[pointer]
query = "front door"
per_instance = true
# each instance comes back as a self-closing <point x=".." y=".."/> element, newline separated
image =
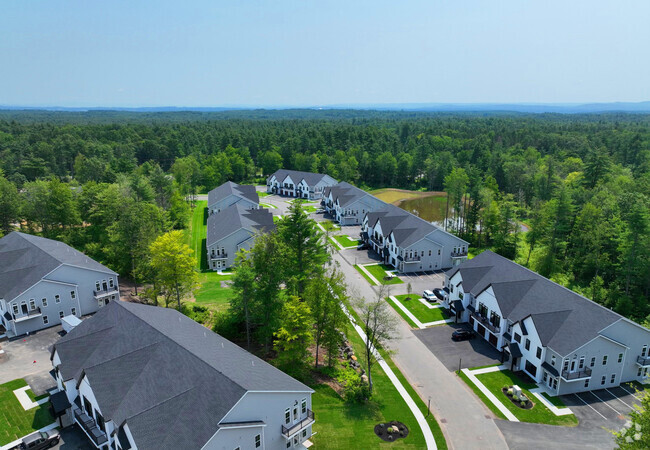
<point x="493" y="339"/>
<point x="573" y="365"/>
<point x="23" y="307"/>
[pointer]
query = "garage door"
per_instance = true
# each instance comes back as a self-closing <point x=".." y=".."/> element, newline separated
<point x="471" y="322"/>
<point x="480" y="330"/>
<point x="493" y="339"/>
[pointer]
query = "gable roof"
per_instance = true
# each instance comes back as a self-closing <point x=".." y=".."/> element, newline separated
<point x="246" y="191"/>
<point x="297" y="176"/>
<point x="564" y="320"/>
<point x="169" y="378"/>
<point x="236" y="217"/>
<point x="25" y="259"/>
<point x="346" y="194"/>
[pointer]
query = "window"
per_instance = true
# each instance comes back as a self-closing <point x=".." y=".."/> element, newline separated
<point x="553" y="360"/>
<point x="620" y="358"/>
<point x="287" y="416"/>
<point x="581" y="364"/>
<point x="602" y="380"/>
<point x="587" y="383"/>
<point x="565" y="365"/>
<point x="258" y="441"/>
<point x="482" y="310"/>
<point x="639" y="372"/>
<point x="57" y="299"/>
<point x="495" y="319"/>
<point x="32" y="304"/>
<point x="517" y="338"/>
<point x="613" y="379"/>
<point x="527" y="345"/>
<point x="73" y="311"/>
<point x="531" y="368"/>
<point x="15" y="306"/>
<point x="44" y="302"/>
<point x="605" y="360"/>
<point x="429" y="252"/>
<point x="593" y="362"/>
<point x="304" y="433"/>
<point x="303" y="406"/>
<point x="97" y="285"/>
<point x="45" y="321"/>
<point x="73" y="295"/>
<point x="644" y="350"/>
<point x="438" y="252"/>
<point x="539" y="353"/>
<point x="61" y="314"/>
<point x="111" y="283"/>
<point x="545" y="376"/>
<point x="288" y="444"/>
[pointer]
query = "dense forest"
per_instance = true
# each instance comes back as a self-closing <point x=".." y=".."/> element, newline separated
<point x="566" y="195"/>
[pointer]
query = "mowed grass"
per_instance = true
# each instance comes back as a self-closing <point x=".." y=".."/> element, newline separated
<point x="420" y="311"/>
<point x="197" y="233"/>
<point x="328" y="225"/>
<point x="555" y="401"/>
<point x="15" y="422"/>
<point x="390" y="195"/>
<point x="346" y="241"/>
<point x="379" y="272"/>
<point x="348" y="425"/>
<point x="494" y="381"/>
<point x="401" y="313"/>
<point x="211" y="293"/>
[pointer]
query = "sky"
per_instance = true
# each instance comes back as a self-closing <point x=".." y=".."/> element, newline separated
<point x="210" y="53"/>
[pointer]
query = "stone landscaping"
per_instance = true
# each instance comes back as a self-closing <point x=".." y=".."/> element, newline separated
<point x="391" y="431"/>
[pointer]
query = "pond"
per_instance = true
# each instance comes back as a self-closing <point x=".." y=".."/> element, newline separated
<point x="430" y="208"/>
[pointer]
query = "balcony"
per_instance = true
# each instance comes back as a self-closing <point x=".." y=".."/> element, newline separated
<point x="579" y="375"/>
<point x="376" y="241"/>
<point x="103" y="292"/>
<point x="297" y="427"/>
<point x="414" y="258"/>
<point x="30" y="315"/>
<point x="218" y="257"/>
<point x="89" y="426"/>
<point x="486" y="323"/>
<point x="643" y="361"/>
<point x="460" y="254"/>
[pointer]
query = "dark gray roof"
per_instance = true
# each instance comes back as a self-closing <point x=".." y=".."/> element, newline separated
<point x="563" y="319"/>
<point x="25" y="259"/>
<point x="515" y="351"/>
<point x="297" y="176"/>
<point x="550" y="369"/>
<point x="246" y="191"/>
<point x="346" y="194"/>
<point x="169" y="378"/>
<point x="236" y="217"/>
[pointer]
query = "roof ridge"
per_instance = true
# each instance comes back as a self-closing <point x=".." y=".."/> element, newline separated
<point x="121" y="355"/>
<point x="158" y="404"/>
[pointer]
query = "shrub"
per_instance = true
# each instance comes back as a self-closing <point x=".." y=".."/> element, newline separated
<point x="523" y="403"/>
<point x="510" y="391"/>
<point x="355" y="390"/>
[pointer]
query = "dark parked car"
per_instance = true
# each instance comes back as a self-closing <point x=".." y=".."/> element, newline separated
<point x="39" y="440"/>
<point x="439" y="293"/>
<point x="362" y="246"/>
<point x="462" y="335"/>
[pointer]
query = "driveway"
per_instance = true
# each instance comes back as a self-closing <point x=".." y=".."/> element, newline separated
<point x="72" y="438"/>
<point x="28" y="357"/>
<point x="472" y="353"/>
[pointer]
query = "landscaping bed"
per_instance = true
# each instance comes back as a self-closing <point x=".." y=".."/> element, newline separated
<point x="15" y="422"/>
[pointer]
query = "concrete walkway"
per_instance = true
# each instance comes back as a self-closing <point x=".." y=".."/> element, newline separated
<point x="537" y="392"/>
<point x="429" y="305"/>
<point x="465" y="421"/>
<point x="25" y="401"/>
<point x="17" y="442"/>
<point x="471" y="374"/>
<point x="372" y="278"/>
<point x="422" y="422"/>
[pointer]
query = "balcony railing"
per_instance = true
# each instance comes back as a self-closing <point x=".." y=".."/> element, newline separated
<point x="582" y="373"/>
<point x="486" y="323"/>
<point x="376" y="241"/>
<point x="105" y="291"/>
<point x="30" y="315"/>
<point x="458" y="254"/>
<point x="90" y="427"/>
<point x="221" y="256"/>
<point x="414" y="258"/>
<point x="295" y="428"/>
<point x="643" y="360"/>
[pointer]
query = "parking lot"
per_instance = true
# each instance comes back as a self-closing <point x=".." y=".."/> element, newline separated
<point x="603" y="407"/>
<point x="472" y="353"/>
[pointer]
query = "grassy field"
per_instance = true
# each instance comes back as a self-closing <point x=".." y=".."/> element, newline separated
<point x="420" y="311"/>
<point x="15" y="422"/>
<point x="346" y="241"/>
<point x="390" y="195"/>
<point x="328" y="225"/>
<point x="494" y="381"/>
<point x="196" y="234"/>
<point x="379" y="272"/>
<point x="268" y="205"/>
<point x="343" y="425"/>
<point x="263" y="194"/>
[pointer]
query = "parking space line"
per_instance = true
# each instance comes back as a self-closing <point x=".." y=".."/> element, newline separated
<point x="629" y="392"/>
<point x="617" y="398"/>
<point x="581" y="399"/>
<point x="605" y="403"/>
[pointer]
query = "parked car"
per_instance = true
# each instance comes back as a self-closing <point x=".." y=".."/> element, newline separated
<point x="439" y="293"/>
<point x="40" y="440"/>
<point x="462" y="335"/>
<point x="429" y="296"/>
<point x="362" y="246"/>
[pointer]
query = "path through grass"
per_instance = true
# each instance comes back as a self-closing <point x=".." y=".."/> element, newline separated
<point x="420" y="311"/>
<point x="15" y="422"/>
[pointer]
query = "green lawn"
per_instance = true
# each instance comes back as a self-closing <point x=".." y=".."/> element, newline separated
<point x="555" y="401"/>
<point x="482" y="396"/>
<point x="211" y="293"/>
<point x="401" y="313"/>
<point x="197" y="234"/>
<point x="328" y="225"/>
<point x="420" y="311"/>
<point x="263" y="194"/>
<point x="494" y="381"/>
<point x="309" y="209"/>
<point x="346" y="241"/>
<point x="36" y="398"/>
<point x="268" y="205"/>
<point x="15" y="422"/>
<point x="344" y="425"/>
<point x="379" y="272"/>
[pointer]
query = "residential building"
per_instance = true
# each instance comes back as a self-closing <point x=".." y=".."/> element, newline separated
<point x="231" y="193"/>
<point x="559" y="338"/>
<point x="232" y="229"/>
<point x="409" y="243"/>
<point x="149" y="378"/>
<point x="43" y="280"/>
<point x="349" y="204"/>
<point x="293" y="183"/>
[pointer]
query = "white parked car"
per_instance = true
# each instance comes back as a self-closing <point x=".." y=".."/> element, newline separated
<point x="429" y="296"/>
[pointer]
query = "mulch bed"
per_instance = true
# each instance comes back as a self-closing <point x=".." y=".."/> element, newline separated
<point x="381" y="430"/>
<point x="517" y="403"/>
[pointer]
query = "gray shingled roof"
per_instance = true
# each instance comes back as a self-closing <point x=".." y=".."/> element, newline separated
<point x="236" y="217"/>
<point x="169" y="378"/>
<point x="246" y="191"/>
<point x="297" y="176"/>
<point x="563" y="319"/>
<point x="25" y="259"/>
<point x="345" y="193"/>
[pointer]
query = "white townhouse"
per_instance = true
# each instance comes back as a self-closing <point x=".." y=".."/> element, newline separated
<point x="409" y="243"/>
<point x="43" y="280"/>
<point x="149" y="378"/>
<point x="231" y="193"/>
<point x="562" y="340"/>
<point x="293" y="183"/>
<point x="348" y="204"/>
<point x="232" y="229"/>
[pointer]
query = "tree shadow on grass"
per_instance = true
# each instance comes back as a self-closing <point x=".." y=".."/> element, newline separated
<point x="204" y="256"/>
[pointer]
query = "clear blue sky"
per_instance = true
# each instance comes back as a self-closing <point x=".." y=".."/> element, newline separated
<point x="319" y="52"/>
